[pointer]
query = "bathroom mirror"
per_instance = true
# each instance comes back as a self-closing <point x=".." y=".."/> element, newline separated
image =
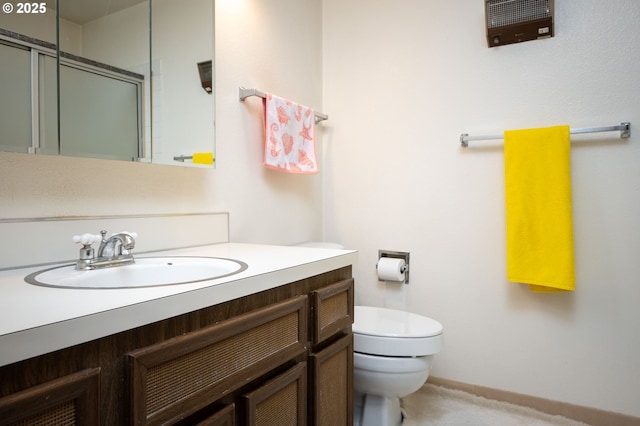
<point x="129" y="80"/>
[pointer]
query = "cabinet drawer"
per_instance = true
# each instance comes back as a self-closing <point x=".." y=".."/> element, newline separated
<point x="332" y="310"/>
<point x="69" y="400"/>
<point x="281" y="401"/>
<point x="176" y="378"/>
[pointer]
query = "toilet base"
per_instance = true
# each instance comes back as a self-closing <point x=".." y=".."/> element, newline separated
<point x="376" y="410"/>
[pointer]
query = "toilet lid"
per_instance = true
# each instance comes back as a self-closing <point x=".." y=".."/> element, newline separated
<point x="385" y="322"/>
<point x="392" y="333"/>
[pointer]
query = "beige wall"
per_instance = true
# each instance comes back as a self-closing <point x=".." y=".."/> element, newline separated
<point x="402" y="81"/>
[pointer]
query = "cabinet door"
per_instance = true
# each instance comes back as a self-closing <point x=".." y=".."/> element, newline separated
<point x="69" y="400"/>
<point x="332" y="384"/>
<point x="224" y="417"/>
<point x="332" y="310"/>
<point x="281" y="401"/>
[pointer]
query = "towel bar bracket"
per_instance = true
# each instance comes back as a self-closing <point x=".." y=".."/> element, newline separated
<point x="245" y="93"/>
<point x="464" y="140"/>
<point x="626" y="132"/>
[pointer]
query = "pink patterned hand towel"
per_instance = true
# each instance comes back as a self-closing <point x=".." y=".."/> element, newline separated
<point x="289" y="136"/>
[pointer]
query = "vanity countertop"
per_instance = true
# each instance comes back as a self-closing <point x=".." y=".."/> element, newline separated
<point x="35" y="320"/>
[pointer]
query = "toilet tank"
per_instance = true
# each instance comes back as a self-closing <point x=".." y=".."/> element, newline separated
<point x="320" y="244"/>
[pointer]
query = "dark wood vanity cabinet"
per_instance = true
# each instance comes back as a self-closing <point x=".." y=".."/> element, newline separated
<point x="280" y="357"/>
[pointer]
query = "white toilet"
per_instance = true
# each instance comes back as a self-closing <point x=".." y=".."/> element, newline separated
<point x="393" y="353"/>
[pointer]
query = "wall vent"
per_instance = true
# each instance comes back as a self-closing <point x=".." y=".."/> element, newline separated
<point x="514" y="21"/>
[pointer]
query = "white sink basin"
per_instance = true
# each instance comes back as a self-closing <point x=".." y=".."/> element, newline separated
<point x="145" y="272"/>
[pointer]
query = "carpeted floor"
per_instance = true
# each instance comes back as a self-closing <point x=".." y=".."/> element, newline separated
<point x="438" y="406"/>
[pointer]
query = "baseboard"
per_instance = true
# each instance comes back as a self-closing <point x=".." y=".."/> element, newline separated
<point x="591" y="416"/>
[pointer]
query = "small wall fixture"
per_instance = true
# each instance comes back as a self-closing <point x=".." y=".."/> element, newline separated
<point x="514" y="21"/>
<point x="403" y="268"/>
<point x="206" y="75"/>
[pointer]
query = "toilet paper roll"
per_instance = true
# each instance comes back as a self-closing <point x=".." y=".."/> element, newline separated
<point x="391" y="269"/>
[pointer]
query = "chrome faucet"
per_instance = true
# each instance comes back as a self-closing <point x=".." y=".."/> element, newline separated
<point x="117" y="245"/>
<point x="113" y="251"/>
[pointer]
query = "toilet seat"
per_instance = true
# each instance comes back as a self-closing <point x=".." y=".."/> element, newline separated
<point x="390" y="332"/>
<point x="391" y="365"/>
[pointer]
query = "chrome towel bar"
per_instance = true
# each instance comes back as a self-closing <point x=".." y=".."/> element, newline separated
<point x="623" y="128"/>
<point x="245" y="93"/>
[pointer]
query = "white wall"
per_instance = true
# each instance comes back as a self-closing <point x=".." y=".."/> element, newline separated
<point x="259" y="44"/>
<point x="402" y="81"/>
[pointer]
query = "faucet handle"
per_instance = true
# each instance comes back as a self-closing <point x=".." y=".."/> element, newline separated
<point x="87" y="239"/>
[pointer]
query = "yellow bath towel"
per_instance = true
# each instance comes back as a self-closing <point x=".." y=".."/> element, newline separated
<point x="202" y="158"/>
<point x="537" y="170"/>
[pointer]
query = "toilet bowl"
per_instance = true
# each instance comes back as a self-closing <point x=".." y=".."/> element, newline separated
<point x="393" y="354"/>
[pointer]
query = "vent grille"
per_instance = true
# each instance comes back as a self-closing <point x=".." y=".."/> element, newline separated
<point x="501" y="13"/>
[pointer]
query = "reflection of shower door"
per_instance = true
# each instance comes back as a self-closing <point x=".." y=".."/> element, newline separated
<point x="100" y="110"/>
<point x="99" y="115"/>
<point x="15" y="101"/>
<point x="28" y="102"/>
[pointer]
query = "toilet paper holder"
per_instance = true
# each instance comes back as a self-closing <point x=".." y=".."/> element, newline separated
<point x="404" y="255"/>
